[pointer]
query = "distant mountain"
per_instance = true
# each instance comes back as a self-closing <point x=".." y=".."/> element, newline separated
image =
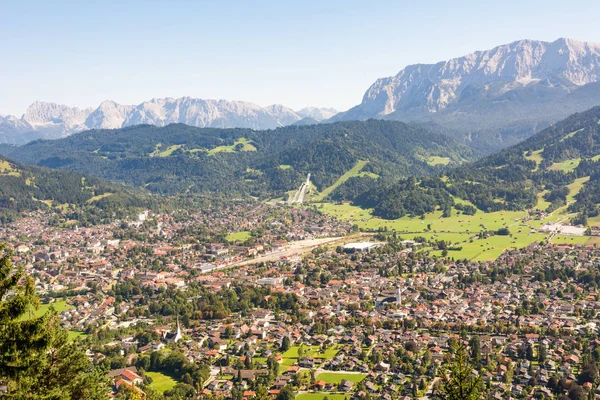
<point x="85" y="199"/>
<point x="178" y="158"/>
<point x="316" y="113"/>
<point x="306" y="121"/>
<point x="50" y="121"/>
<point x="495" y="97"/>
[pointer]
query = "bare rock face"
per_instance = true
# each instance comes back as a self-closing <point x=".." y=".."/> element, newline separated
<point x="431" y="88"/>
<point x="51" y="120"/>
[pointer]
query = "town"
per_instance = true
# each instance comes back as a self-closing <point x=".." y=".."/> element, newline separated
<point x="249" y="300"/>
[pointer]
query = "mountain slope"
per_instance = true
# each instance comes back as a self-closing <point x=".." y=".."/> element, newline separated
<point x="497" y="97"/>
<point x="86" y="199"/>
<point x="51" y="121"/>
<point x="560" y="165"/>
<point x="179" y="158"/>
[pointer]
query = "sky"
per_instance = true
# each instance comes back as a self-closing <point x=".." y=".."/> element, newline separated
<point x="296" y="53"/>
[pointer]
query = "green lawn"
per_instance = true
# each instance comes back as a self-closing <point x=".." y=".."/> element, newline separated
<point x="59" y="306"/>
<point x="292" y="352"/>
<point x="355" y="171"/>
<point x="321" y="396"/>
<point x="335" y="378"/>
<point x="290" y="357"/>
<point x="328" y="354"/>
<point x="161" y="382"/>
<point x="284" y="166"/>
<point x="74" y="335"/>
<point x="238" y="236"/>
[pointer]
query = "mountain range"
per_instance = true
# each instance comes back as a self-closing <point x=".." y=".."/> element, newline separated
<point x="493" y="98"/>
<point x="44" y="120"/>
<point x="178" y="158"/>
<point x="488" y="100"/>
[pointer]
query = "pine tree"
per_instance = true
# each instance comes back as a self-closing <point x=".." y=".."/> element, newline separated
<point x="458" y="380"/>
<point x="36" y="359"/>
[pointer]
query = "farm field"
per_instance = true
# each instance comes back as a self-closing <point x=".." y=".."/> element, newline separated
<point x="161" y="382"/>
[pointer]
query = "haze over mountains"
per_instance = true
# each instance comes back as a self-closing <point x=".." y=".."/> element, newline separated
<point x="487" y="99"/>
<point x="50" y="121"/>
<point x="491" y="98"/>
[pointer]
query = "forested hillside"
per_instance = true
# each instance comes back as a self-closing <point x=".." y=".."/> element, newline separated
<point x="555" y="165"/>
<point x="183" y="159"/>
<point x="74" y="196"/>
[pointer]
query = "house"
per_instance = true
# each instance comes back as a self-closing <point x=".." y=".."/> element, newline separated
<point x="129" y="375"/>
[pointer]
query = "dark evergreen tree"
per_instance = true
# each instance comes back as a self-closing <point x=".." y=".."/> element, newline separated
<point x="36" y="359"/>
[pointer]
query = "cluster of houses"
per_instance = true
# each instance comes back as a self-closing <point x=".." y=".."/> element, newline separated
<point x="384" y="320"/>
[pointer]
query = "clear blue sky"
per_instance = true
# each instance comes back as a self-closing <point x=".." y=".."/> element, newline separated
<point x="296" y="53"/>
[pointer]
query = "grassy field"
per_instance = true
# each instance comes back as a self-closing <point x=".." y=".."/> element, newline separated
<point x="321" y="396"/>
<point x="284" y="166"/>
<point x="537" y="157"/>
<point x="99" y="197"/>
<point x="566" y="166"/>
<point x="571" y="134"/>
<point x="166" y="152"/>
<point x="59" y="306"/>
<point x="290" y="357"/>
<point x="74" y="335"/>
<point x="7" y="169"/>
<point x="231" y="149"/>
<point x="355" y="171"/>
<point x="335" y="378"/>
<point x="161" y="382"/>
<point x="238" y="236"/>
<point x="437" y="160"/>
<point x="461" y="230"/>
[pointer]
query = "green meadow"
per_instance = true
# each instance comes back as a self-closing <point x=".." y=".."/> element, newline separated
<point x="355" y="171"/>
<point x="161" y="382"/>
<point x="238" y="236"/>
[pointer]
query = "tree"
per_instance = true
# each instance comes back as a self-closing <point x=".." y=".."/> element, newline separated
<point x="577" y="393"/>
<point x="285" y="344"/>
<point x="542" y="353"/>
<point x="475" y="345"/>
<point x="36" y="358"/>
<point x="262" y="393"/>
<point x="458" y="380"/>
<point x="286" y="393"/>
<point x="589" y="373"/>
